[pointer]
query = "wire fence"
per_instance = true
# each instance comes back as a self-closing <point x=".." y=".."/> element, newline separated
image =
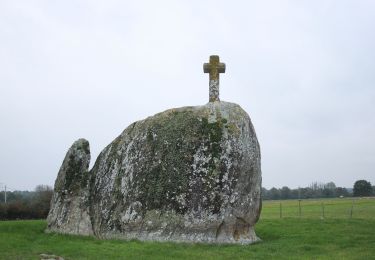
<point x="320" y="208"/>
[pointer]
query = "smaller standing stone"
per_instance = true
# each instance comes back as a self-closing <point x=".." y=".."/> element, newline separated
<point x="214" y="68"/>
<point x="69" y="204"/>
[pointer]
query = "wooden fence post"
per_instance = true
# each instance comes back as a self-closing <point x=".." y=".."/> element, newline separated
<point x="351" y="209"/>
<point x="281" y="211"/>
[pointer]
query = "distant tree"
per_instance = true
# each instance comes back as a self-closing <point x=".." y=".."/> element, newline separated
<point x="274" y="194"/>
<point x="265" y="194"/>
<point x="341" y="192"/>
<point x="295" y="193"/>
<point x="330" y="185"/>
<point x="328" y="193"/>
<point x="362" y="188"/>
<point x="42" y="200"/>
<point x="307" y="193"/>
<point x="315" y="190"/>
<point x="329" y="190"/>
<point x="285" y="193"/>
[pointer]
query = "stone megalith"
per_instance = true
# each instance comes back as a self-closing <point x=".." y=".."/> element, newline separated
<point x="189" y="174"/>
<point x="69" y="205"/>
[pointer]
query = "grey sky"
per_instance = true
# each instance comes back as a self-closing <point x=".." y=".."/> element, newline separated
<point x="303" y="70"/>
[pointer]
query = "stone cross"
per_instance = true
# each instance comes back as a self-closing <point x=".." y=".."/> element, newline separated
<point x="214" y="68"/>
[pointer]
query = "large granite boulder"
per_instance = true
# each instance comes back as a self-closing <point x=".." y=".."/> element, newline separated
<point x="186" y="174"/>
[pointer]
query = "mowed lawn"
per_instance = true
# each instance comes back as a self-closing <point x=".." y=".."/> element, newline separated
<point x="336" y="236"/>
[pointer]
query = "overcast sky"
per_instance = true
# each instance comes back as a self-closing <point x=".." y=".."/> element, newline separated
<point x="303" y="70"/>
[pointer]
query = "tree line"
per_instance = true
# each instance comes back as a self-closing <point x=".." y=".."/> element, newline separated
<point x="26" y="204"/>
<point x="319" y="190"/>
<point x="36" y="204"/>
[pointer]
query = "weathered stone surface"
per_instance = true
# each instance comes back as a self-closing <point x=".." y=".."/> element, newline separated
<point x="50" y="257"/>
<point x="69" y="204"/>
<point x="186" y="174"/>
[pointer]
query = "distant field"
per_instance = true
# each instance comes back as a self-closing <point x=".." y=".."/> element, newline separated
<point x="363" y="208"/>
<point x="337" y="236"/>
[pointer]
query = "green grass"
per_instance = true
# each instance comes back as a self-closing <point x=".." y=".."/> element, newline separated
<point x="362" y="208"/>
<point x="309" y="237"/>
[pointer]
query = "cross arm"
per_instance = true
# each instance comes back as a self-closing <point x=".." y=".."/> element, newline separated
<point x="220" y="67"/>
<point x="206" y="67"/>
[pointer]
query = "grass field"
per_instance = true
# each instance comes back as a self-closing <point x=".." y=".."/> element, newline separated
<point x="337" y="236"/>
<point x="359" y="208"/>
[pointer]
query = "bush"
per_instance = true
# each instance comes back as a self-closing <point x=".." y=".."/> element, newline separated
<point x="27" y="205"/>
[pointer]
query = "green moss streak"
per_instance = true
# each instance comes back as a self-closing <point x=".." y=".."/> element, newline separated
<point x="167" y="171"/>
<point x="214" y="131"/>
<point x="74" y="176"/>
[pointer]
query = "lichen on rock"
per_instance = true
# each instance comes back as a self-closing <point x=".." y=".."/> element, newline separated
<point x="186" y="174"/>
